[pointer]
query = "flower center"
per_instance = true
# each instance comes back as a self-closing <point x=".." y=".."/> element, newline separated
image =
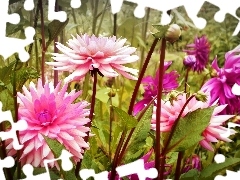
<point x="45" y="118"/>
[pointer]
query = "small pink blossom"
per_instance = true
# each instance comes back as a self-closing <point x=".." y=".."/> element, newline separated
<point x="51" y="112"/>
<point x="87" y="53"/>
<point x="171" y="110"/>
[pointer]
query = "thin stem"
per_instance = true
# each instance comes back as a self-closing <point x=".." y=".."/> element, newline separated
<point x="75" y="20"/>
<point x="116" y="160"/>
<point x="43" y="42"/>
<point x="55" y="72"/>
<point x="16" y="116"/>
<point x="186" y="80"/>
<point x="144" y="34"/>
<point x="90" y="116"/>
<point x="115" y="24"/>
<point x="135" y="91"/>
<point x="101" y="20"/>
<point x="132" y="130"/>
<point x="110" y="129"/>
<point x="175" y="125"/>
<point x="178" y="167"/>
<point x="94" y="23"/>
<point x="34" y="25"/>
<point x="158" y="112"/>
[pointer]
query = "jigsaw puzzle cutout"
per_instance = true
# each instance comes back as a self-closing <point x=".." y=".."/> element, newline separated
<point x="230" y="175"/>
<point x="9" y="45"/>
<point x="7" y="162"/>
<point x="192" y="10"/>
<point x="66" y="165"/>
<point x="136" y="167"/>
<point x="15" y="126"/>
<point x="7" y="49"/>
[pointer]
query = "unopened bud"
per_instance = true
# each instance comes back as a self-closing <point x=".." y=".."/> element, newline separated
<point x="173" y="33"/>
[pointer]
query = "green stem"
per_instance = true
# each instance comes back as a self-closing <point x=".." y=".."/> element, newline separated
<point x="43" y="43"/>
<point x="55" y="72"/>
<point x="186" y="80"/>
<point x="16" y="115"/>
<point x="144" y="35"/>
<point x="75" y="21"/>
<point x="158" y="111"/>
<point x="94" y="22"/>
<point x="101" y="20"/>
<point x="110" y="129"/>
<point x="90" y="116"/>
<point x="115" y="24"/>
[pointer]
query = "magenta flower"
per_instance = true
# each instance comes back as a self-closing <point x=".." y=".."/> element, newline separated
<point x="171" y="110"/>
<point x="192" y="163"/>
<point x="220" y="87"/>
<point x="52" y="113"/>
<point x="151" y="86"/>
<point x="200" y="49"/>
<point x="88" y="53"/>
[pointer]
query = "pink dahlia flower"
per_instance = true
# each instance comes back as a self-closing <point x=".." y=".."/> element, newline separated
<point x="150" y="85"/>
<point x="200" y="49"/>
<point x="52" y="113"/>
<point x="88" y="53"/>
<point x="220" y="86"/>
<point x="171" y="110"/>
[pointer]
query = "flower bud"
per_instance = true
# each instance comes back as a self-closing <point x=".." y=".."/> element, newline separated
<point x="201" y="96"/>
<point x="189" y="61"/>
<point x="173" y="33"/>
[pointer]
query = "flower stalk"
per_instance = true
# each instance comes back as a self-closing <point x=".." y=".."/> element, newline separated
<point x="117" y="158"/>
<point x="94" y="91"/>
<point x="158" y="114"/>
<point x="43" y="42"/>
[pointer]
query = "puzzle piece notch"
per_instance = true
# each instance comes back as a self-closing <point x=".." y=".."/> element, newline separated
<point x="66" y="165"/>
<point x="9" y="46"/>
<point x="87" y="173"/>
<point x="7" y="162"/>
<point x="15" y="126"/>
<point x="137" y="167"/>
<point x="191" y="10"/>
<point x="28" y="5"/>
<point x="76" y="3"/>
<point x="228" y="133"/>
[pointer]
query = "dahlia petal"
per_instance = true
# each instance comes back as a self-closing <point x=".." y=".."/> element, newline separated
<point x="206" y="145"/>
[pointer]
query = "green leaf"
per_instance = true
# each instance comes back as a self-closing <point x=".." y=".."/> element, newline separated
<point x="56" y="148"/>
<point x="189" y="129"/>
<point x="5" y="73"/>
<point x="54" y="29"/>
<point x="139" y="136"/>
<point x="161" y="30"/>
<point x="24" y="74"/>
<point x="214" y="169"/>
<point x="193" y="174"/>
<point x="127" y="121"/>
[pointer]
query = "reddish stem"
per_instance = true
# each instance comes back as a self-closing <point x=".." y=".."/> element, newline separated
<point x="158" y="111"/>
<point x="116" y="160"/>
<point x="90" y="117"/>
